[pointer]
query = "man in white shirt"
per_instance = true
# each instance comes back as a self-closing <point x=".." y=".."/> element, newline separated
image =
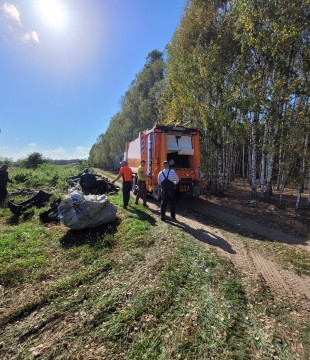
<point x="168" y="179"/>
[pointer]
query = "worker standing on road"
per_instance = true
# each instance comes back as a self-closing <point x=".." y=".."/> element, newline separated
<point x="142" y="177"/>
<point x="168" y="179"/>
<point x="126" y="172"/>
<point x="4" y="179"/>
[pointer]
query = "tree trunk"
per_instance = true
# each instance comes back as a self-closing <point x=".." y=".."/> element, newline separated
<point x="282" y="184"/>
<point x="263" y="164"/>
<point x="298" y="197"/>
<point x="270" y="167"/>
<point x="308" y="202"/>
<point x="243" y="161"/>
<point x="302" y="172"/>
<point x="254" y="157"/>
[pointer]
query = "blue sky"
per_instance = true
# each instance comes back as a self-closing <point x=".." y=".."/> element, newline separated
<point x="65" y="64"/>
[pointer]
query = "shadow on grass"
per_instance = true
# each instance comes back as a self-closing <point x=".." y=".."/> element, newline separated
<point x="103" y="233"/>
<point x="142" y="215"/>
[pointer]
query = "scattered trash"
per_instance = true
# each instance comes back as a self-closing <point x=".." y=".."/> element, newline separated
<point x="51" y="215"/>
<point x="78" y="211"/>
<point x="38" y="200"/>
<point x="103" y="185"/>
<point x="230" y="308"/>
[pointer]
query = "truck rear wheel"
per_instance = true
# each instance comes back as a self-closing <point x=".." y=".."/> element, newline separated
<point x="157" y="194"/>
<point x="158" y="197"/>
<point x="134" y="185"/>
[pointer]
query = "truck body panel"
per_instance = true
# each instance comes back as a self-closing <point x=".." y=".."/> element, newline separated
<point x="172" y="143"/>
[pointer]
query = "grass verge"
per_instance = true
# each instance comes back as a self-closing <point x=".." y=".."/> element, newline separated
<point x="136" y="289"/>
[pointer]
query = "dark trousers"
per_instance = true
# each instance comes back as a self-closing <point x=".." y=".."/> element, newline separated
<point x="127" y="186"/>
<point x="3" y="195"/>
<point x="142" y="192"/>
<point x="167" y="197"/>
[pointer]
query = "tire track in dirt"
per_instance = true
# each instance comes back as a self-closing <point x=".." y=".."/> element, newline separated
<point x="294" y="287"/>
<point x="245" y="256"/>
<point x="252" y="263"/>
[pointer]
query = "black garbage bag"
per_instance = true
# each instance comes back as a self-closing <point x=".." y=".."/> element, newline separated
<point x="38" y="200"/>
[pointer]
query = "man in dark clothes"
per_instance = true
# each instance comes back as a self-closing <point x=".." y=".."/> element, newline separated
<point x="88" y="183"/>
<point x="4" y="179"/>
<point x="168" y="179"/>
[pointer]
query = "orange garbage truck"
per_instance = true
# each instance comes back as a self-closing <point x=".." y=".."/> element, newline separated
<point x="178" y="145"/>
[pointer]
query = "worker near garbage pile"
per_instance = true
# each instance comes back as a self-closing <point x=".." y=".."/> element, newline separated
<point x="4" y="179"/>
<point x="126" y="173"/>
<point x="142" y="190"/>
<point x="88" y="182"/>
<point x="168" y="179"/>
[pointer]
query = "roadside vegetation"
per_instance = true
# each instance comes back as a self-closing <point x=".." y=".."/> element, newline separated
<point x="134" y="289"/>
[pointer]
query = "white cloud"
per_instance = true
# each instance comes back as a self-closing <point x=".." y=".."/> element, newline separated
<point x="32" y="145"/>
<point x="11" y="11"/>
<point x="81" y="150"/>
<point x="58" y="153"/>
<point x="30" y="36"/>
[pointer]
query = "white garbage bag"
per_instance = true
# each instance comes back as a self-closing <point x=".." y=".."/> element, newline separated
<point x="86" y="211"/>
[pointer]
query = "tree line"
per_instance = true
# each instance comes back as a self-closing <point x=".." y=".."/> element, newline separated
<point x="239" y="71"/>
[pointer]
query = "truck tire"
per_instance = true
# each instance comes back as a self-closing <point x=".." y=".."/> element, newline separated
<point x="157" y="195"/>
<point x="134" y="185"/>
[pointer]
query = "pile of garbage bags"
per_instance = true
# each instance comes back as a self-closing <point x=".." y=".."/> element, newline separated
<point x="80" y="211"/>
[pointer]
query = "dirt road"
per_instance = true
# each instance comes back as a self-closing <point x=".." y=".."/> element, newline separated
<point x="242" y="241"/>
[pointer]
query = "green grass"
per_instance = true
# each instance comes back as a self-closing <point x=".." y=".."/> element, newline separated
<point x="292" y="257"/>
<point x="136" y="289"/>
<point x="45" y="177"/>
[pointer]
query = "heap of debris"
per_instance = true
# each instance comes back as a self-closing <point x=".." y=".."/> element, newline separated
<point x="94" y="201"/>
<point x="103" y="185"/>
<point x="39" y="200"/>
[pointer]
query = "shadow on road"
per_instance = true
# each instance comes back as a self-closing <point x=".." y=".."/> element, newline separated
<point x="199" y="234"/>
<point x="204" y="236"/>
<point x="219" y="216"/>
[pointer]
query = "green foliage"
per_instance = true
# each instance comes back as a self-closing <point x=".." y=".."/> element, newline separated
<point x="237" y="70"/>
<point x="33" y="160"/>
<point x="46" y="176"/>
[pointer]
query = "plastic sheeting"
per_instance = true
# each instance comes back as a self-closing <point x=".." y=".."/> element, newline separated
<point x="86" y="211"/>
